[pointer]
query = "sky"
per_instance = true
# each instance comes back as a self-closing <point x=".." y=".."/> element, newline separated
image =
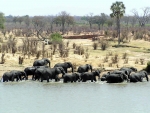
<point x="73" y="7"/>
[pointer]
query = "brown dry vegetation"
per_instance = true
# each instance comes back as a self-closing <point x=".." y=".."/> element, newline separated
<point x="135" y="53"/>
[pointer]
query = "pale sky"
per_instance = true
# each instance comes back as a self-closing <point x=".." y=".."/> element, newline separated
<point x="73" y="7"/>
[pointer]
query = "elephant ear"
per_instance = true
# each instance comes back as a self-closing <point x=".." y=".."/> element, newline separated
<point x="57" y="71"/>
<point x="69" y="64"/>
<point x="121" y="76"/>
<point x="89" y="67"/>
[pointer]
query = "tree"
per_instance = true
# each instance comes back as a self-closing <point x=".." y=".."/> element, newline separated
<point x="57" y="20"/>
<point x="142" y="19"/>
<point x="70" y="20"/>
<point x="99" y="20"/>
<point x="2" y="20"/>
<point x="118" y="10"/>
<point x="39" y="24"/>
<point x="90" y="19"/>
<point x="110" y="22"/>
<point x="133" y="21"/>
<point x="27" y="20"/>
<point x="63" y="18"/>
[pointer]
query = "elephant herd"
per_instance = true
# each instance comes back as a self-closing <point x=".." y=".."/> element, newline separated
<point x="40" y="71"/>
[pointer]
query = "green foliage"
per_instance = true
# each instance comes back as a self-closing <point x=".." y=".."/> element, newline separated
<point x="2" y="20"/>
<point x="118" y="9"/>
<point x="56" y="38"/>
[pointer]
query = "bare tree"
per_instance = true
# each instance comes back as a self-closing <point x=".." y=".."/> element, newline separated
<point x="39" y="24"/>
<point x="143" y="18"/>
<point x="63" y="18"/>
<point x="133" y="20"/>
<point x="90" y="19"/>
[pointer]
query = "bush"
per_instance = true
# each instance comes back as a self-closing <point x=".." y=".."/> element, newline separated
<point x="95" y="45"/>
<point x="124" y="56"/>
<point x="56" y="38"/>
<point x="104" y="44"/>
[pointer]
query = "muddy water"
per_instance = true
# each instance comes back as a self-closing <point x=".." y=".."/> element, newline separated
<point x="100" y="97"/>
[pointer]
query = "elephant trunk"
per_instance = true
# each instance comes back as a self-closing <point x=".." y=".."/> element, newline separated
<point x="26" y="77"/>
<point x="146" y="75"/>
<point x="72" y="68"/>
<point x="91" y="68"/>
<point x="147" y="78"/>
<point x="49" y="63"/>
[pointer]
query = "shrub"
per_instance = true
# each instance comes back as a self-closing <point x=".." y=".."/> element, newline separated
<point x="136" y="61"/>
<point x="95" y="45"/>
<point x="103" y="44"/>
<point x="115" y="59"/>
<point x="124" y="56"/>
<point x="142" y="61"/>
<point x="56" y="38"/>
<point x="74" y="45"/>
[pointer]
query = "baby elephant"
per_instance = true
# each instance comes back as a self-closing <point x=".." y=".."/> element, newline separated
<point x="71" y="77"/>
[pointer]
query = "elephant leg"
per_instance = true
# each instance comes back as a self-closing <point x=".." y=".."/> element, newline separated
<point x="64" y="80"/>
<point x="41" y="79"/>
<point x="56" y="78"/>
<point x="66" y="70"/>
<point x="83" y="80"/>
<point x="71" y="81"/>
<point x="17" y="79"/>
<point x="27" y="77"/>
<point x="47" y="79"/>
<point x="33" y="77"/>
<point x="95" y="79"/>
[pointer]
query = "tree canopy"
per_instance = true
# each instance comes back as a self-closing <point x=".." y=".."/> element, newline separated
<point x="118" y="10"/>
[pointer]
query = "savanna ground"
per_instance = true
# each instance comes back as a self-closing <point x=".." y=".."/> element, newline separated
<point x="137" y="55"/>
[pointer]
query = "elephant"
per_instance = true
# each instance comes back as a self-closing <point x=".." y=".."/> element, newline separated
<point x="84" y="68"/>
<point x="41" y="62"/>
<point x="15" y="74"/>
<point x="128" y="70"/>
<point x="116" y="77"/>
<point x="31" y="70"/>
<point x="71" y="77"/>
<point x="89" y="76"/>
<point x="138" y="76"/>
<point x="103" y="78"/>
<point x="65" y="66"/>
<point x="48" y="73"/>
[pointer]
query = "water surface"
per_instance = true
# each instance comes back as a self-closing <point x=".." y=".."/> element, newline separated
<point x="36" y="97"/>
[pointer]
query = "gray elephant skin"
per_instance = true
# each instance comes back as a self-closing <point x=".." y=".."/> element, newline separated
<point x="90" y="76"/>
<point x="84" y="68"/>
<point x="15" y="74"/>
<point x="65" y="66"/>
<point x="41" y="62"/>
<point x="31" y="70"/>
<point x="71" y="77"/>
<point x="138" y="76"/>
<point x="48" y="73"/>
